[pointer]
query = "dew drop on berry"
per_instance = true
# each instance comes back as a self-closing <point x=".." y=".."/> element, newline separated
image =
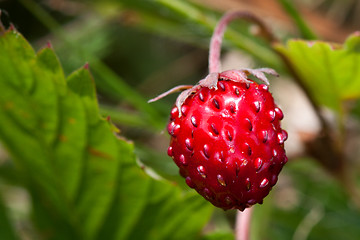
<point x="201" y="171"/>
<point x="264" y="183"/>
<point x="258" y="164"/>
<point x="182" y="159"/>
<point x="221" y="180"/>
<point x="189" y="144"/>
<point x="193" y="121"/>
<point x="170" y="151"/>
<point x="251" y="202"/>
<point x="256" y="106"/>
<point x="279" y="113"/>
<point x="189" y="182"/>
<point x="272" y="115"/>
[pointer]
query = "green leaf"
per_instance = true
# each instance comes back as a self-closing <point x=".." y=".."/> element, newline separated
<point x="82" y="83"/>
<point x="83" y="179"/>
<point x="6" y="229"/>
<point x="70" y="144"/>
<point x="170" y="214"/>
<point x="24" y="128"/>
<point x="99" y="177"/>
<point x="329" y="72"/>
<point x="155" y="210"/>
<point x="127" y="205"/>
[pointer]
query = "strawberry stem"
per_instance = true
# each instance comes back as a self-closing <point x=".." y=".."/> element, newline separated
<point x="243" y="222"/>
<point x="217" y="37"/>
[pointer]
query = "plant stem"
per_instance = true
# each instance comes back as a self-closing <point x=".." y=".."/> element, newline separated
<point x="243" y="222"/>
<point x="217" y="37"/>
<point x="239" y="40"/>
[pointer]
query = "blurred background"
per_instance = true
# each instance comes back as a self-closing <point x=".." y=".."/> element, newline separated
<point x="139" y="49"/>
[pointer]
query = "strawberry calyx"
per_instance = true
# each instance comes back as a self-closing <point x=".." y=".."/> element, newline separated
<point x="211" y="80"/>
<point x="242" y="74"/>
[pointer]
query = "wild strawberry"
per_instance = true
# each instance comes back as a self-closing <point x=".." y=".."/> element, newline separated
<point x="225" y="133"/>
<point x="228" y="143"/>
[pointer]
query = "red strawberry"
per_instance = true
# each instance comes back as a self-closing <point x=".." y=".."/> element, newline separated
<point x="228" y="143"/>
<point x="225" y="133"/>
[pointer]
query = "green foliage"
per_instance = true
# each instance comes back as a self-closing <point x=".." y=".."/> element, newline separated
<point x="6" y="228"/>
<point x="186" y="21"/>
<point x="311" y="204"/>
<point x="329" y="71"/>
<point x="291" y="9"/>
<point x="83" y="179"/>
<point x="318" y="207"/>
<point x="219" y="235"/>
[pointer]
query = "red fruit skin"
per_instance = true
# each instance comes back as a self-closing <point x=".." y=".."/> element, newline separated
<point x="228" y="143"/>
